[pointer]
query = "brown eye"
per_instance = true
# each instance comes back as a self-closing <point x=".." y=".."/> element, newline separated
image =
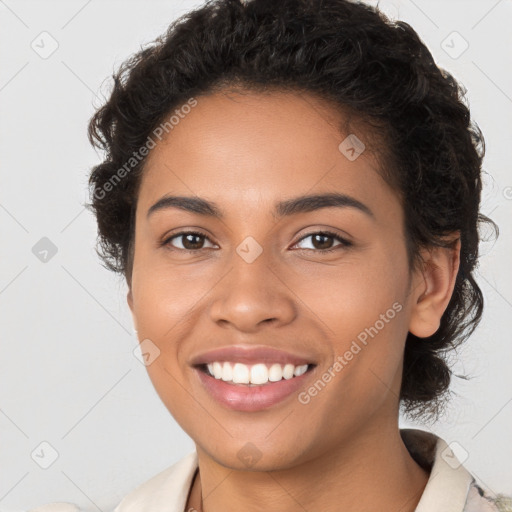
<point x="322" y="241"/>
<point x="191" y="241"/>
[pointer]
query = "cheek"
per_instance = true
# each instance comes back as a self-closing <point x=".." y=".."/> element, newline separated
<point x="163" y="298"/>
<point x="163" y="306"/>
<point x="361" y="307"/>
<point x="169" y="308"/>
<point x="353" y="295"/>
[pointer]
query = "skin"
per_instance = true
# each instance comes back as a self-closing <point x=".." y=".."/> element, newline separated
<point x="342" y="450"/>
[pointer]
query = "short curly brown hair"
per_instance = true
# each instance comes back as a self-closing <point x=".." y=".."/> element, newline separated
<point x="347" y="53"/>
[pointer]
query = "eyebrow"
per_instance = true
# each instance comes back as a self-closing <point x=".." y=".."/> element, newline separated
<point x="288" y="207"/>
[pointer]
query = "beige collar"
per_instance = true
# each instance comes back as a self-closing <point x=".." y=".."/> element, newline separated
<point x="446" y="491"/>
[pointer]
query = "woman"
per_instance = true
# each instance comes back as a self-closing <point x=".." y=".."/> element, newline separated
<point x="291" y="190"/>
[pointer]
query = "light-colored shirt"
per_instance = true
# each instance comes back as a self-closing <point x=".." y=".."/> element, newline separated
<point x="450" y="487"/>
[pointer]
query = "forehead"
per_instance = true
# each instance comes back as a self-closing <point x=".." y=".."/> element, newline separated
<point x="245" y="148"/>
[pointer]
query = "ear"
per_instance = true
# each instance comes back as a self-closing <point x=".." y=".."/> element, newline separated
<point x="433" y="288"/>
<point x="129" y="300"/>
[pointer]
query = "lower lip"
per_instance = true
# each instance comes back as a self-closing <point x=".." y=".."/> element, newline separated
<point x="246" y="398"/>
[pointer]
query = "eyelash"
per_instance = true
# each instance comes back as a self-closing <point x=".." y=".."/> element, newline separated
<point x="343" y="242"/>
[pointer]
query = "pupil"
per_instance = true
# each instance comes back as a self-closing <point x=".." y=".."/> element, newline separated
<point x="193" y="245"/>
<point x="323" y="243"/>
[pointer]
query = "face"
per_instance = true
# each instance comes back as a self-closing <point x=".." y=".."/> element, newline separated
<point x="260" y="273"/>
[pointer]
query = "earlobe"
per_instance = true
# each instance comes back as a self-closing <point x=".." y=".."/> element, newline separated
<point x="434" y="291"/>
<point x="129" y="300"/>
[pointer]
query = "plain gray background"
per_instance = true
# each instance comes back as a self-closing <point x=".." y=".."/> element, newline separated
<point x="69" y="376"/>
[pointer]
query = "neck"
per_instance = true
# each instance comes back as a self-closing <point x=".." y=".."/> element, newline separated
<point x="372" y="470"/>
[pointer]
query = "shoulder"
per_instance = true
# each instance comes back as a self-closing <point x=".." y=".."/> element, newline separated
<point x="479" y="501"/>
<point x="450" y="487"/>
<point x="166" y="490"/>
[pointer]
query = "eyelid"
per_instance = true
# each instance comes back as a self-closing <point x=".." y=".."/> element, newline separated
<point x="166" y="241"/>
<point x="343" y="242"/>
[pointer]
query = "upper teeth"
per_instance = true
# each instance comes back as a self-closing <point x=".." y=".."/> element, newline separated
<point x="240" y="373"/>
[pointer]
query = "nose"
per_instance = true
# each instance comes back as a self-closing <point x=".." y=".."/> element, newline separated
<point x="251" y="296"/>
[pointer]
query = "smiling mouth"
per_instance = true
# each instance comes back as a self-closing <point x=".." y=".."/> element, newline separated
<point x="258" y="374"/>
<point x="256" y="392"/>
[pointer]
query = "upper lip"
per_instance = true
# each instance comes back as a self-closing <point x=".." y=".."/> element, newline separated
<point x="249" y="355"/>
